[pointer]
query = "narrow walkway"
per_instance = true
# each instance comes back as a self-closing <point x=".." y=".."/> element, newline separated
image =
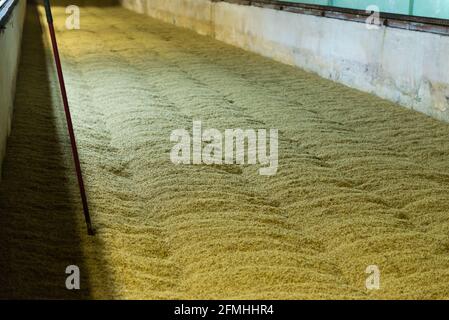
<point x="361" y="181"/>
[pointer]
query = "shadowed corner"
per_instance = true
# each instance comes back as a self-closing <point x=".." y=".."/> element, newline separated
<point x="41" y="222"/>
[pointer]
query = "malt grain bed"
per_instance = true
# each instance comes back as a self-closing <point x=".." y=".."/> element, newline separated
<point x="361" y="181"/>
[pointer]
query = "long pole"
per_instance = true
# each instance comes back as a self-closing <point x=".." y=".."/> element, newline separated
<point x="76" y="159"/>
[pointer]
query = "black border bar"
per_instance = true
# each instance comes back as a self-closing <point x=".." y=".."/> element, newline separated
<point x="283" y="310"/>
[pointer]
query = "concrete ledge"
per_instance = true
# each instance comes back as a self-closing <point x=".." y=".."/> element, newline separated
<point x="6" y="8"/>
<point x="10" y="44"/>
<point x="404" y="66"/>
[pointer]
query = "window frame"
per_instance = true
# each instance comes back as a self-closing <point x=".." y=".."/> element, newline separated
<point x="6" y="8"/>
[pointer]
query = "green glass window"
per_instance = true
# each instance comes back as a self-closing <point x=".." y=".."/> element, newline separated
<point x="421" y="8"/>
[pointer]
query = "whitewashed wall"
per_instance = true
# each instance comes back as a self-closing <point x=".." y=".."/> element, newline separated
<point x="407" y="67"/>
<point x="10" y="44"/>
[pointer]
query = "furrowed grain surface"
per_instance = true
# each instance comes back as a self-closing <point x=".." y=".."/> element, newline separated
<point x="361" y="181"/>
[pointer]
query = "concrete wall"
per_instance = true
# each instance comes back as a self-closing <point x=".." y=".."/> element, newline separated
<point x="407" y="67"/>
<point x="10" y="43"/>
<point x="192" y="14"/>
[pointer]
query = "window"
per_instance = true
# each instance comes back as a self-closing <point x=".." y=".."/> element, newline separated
<point x="420" y="8"/>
